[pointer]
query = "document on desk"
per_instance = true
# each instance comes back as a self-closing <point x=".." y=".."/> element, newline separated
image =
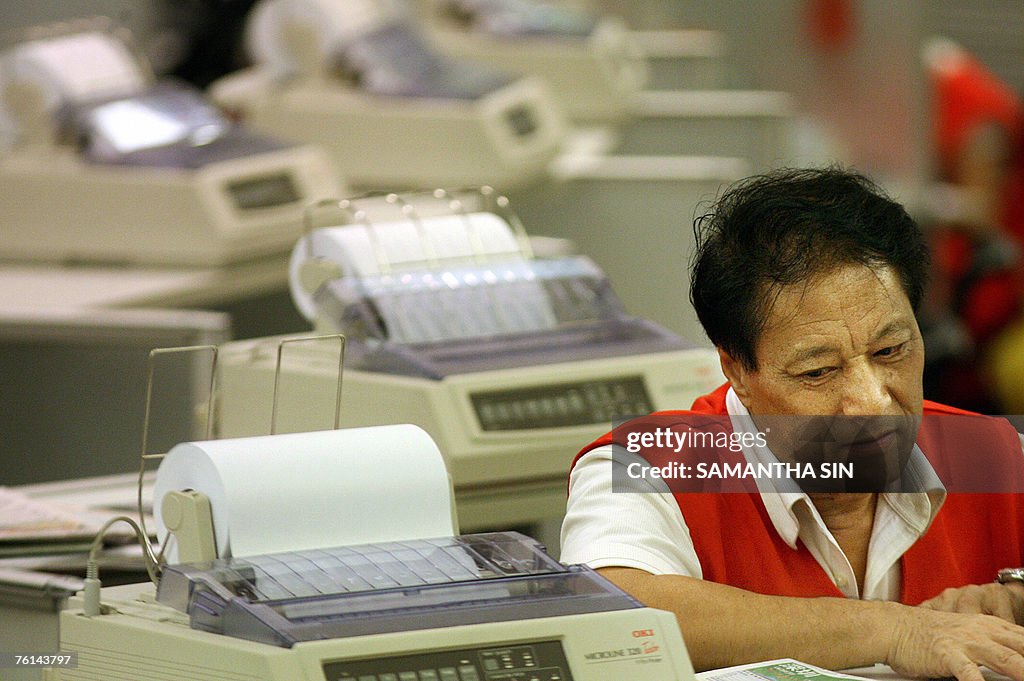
<point x="31" y="526"/>
<point x="775" y="670"/>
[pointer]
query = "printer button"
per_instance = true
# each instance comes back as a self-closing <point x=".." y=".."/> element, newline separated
<point x="468" y="673"/>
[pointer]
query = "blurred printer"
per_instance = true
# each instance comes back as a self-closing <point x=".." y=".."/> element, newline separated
<point x="361" y="79"/>
<point x="510" y="361"/>
<point x="593" y="63"/>
<point x="419" y="603"/>
<point x="101" y="162"/>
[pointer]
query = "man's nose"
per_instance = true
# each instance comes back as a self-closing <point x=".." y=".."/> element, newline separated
<point x="866" y="391"/>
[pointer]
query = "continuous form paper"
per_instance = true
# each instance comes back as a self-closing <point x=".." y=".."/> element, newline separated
<point x="783" y="669"/>
<point x="313" y="490"/>
<point x="23" y="518"/>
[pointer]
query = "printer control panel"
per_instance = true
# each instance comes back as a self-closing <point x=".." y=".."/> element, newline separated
<point x="521" y="120"/>
<point x="263" y="192"/>
<point x="540" y="661"/>
<point x="566" y="404"/>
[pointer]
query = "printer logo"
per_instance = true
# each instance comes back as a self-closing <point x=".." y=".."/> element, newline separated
<point x="643" y="649"/>
<point x="611" y="654"/>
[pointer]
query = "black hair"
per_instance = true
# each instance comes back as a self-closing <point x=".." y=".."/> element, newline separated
<point x="783" y="228"/>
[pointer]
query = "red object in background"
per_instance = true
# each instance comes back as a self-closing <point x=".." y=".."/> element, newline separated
<point x="985" y="300"/>
<point x="830" y="23"/>
<point x="1013" y="210"/>
<point x="967" y="95"/>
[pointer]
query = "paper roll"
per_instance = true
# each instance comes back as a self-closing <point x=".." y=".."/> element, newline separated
<point x="435" y="243"/>
<point x="311" y="490"/>
<point x="476" y="268"/>
<point x="273" y="26"/>
<point x="78" y="67"/>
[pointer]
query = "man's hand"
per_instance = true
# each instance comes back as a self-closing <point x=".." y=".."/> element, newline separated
<point x="724" y="626"/>
<point x="929" y="643"/>
<point x="1005" y="601"/>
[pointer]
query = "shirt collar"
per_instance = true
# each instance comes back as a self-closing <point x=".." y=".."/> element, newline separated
<point x="783" y="497"/>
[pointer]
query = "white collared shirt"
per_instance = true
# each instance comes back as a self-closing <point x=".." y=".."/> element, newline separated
<point x="646" y="529"/>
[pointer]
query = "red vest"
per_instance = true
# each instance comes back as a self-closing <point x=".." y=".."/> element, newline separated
<point x="972" y="536"/>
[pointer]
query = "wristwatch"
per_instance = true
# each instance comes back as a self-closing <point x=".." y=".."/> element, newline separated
<point x="1008" y="575"/>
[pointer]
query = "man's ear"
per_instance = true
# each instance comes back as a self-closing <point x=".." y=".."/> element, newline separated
<point x="737" y="374"/>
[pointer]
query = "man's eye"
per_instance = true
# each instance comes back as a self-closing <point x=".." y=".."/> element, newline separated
<point x="889" y="351"/>
<point x="816" y="373"/>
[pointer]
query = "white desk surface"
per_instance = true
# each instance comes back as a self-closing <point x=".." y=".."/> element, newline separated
<point x="32" y="286"/>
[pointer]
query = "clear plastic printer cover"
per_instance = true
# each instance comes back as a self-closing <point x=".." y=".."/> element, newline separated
<point x="515" y="18"/>
<point x="433" y="323"/>
<point x="282" y="599"/>
<point x="394" y="60"/>
<point x="170" y="125"/>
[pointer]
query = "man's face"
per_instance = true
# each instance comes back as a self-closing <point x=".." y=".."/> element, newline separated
<point x="843" y="344"/>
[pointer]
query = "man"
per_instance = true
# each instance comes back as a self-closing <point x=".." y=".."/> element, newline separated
<point x="806" y="282"/>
